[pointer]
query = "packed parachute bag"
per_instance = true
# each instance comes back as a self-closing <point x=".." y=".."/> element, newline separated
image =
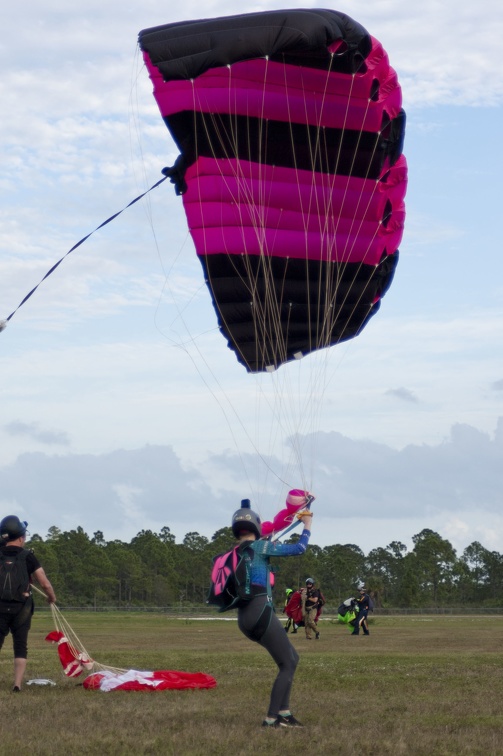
<point x="14" y="582"/>
<point x="293" y="609"/>
<point x="348" y="612"/>
<point x="230" y="585"/>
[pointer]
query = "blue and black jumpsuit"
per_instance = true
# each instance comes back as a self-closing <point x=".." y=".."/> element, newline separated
<point x="257" y="620"/>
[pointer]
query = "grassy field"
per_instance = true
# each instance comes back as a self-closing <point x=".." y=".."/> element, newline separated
<point x="414" y="686"/>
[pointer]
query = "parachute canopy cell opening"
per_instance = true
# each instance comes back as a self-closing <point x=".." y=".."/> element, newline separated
<point x="290" y="130"/>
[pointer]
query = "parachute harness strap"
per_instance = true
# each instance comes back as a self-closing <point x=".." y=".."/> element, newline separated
<point x="3" y="323"/>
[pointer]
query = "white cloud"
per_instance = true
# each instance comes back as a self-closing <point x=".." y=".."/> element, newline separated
<point x="38" y="434"/>
<point x="100" y="356"/>
<point x="444" y="52"/>
<point x="403" y="394"/>
<point x="393" y="492"/>
<point x="119" y="493"/>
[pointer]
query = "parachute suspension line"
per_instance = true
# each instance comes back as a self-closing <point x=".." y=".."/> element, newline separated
<point x="287" y="149"/>
<point x="352" y="233"/>
<point x="325" y="323"/>
<point x="75" y="246"/>
<point x="296" y="402"/>
<point x="240" y="180"/>
<point x="332" y="298"/>
<point x="288" y="406"/>
<point x="233" y="156"/>
<point x="190" y="338"/>
<point x="221" y="397"/>
<point x="222" y="393"/>
<point x="346" y="252"/>
<point x="327" y="299"/>
<point x="74" y="645"/>
<point x="308" y="409"/>
<point x="274" y="303"/>
<point x="267" y="316"/>
<point x="268" y="309"/>
<point x="305" y="212"/>
<point x="166" y="286"/>
<point x="354" y="222"/>
<point x="301" y="408"/>
<point x="244" y="194"/>
<point x="225" y="411"/>
<point x="331" y="291"/>
<point x="263" y="304"/>
<point x="266" y="304"/>
<point x="331" y="310"/>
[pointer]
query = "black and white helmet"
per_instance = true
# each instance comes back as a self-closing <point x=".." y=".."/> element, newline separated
<point x="245" y="520"/>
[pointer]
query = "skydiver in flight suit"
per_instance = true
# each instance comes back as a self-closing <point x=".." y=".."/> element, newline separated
<point x="256" y="617"/>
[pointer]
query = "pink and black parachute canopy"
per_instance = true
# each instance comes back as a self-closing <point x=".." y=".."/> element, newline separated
<point x="290" y="130"/>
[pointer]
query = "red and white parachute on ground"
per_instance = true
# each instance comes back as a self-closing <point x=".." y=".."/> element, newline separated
<point x="132" y="679"/>
<point x="76" y="660"/>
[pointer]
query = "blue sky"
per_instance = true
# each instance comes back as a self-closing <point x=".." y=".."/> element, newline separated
<point x="111" y="420"/>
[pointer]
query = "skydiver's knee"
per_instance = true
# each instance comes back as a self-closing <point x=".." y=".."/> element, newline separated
<point x="295" y="659"/>
<point x="20" y="643"/>
<point x="20" y="651"/>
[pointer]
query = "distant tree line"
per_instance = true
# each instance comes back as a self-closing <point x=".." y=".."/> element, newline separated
<point x="153" y="570"/>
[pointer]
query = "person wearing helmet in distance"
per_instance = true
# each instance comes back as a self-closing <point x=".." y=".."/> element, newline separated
<point x="18" y="566"/>
<point x="310" y="606"/>
<point x="256" y="617"/>
<point x="365" y="605"/>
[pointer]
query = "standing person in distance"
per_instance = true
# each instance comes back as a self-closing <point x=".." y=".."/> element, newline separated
<point x="364" y="605"/>
<point x="17" y="568"/>
<point x="310" y="605"/>
<point x="256" y="617"/>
